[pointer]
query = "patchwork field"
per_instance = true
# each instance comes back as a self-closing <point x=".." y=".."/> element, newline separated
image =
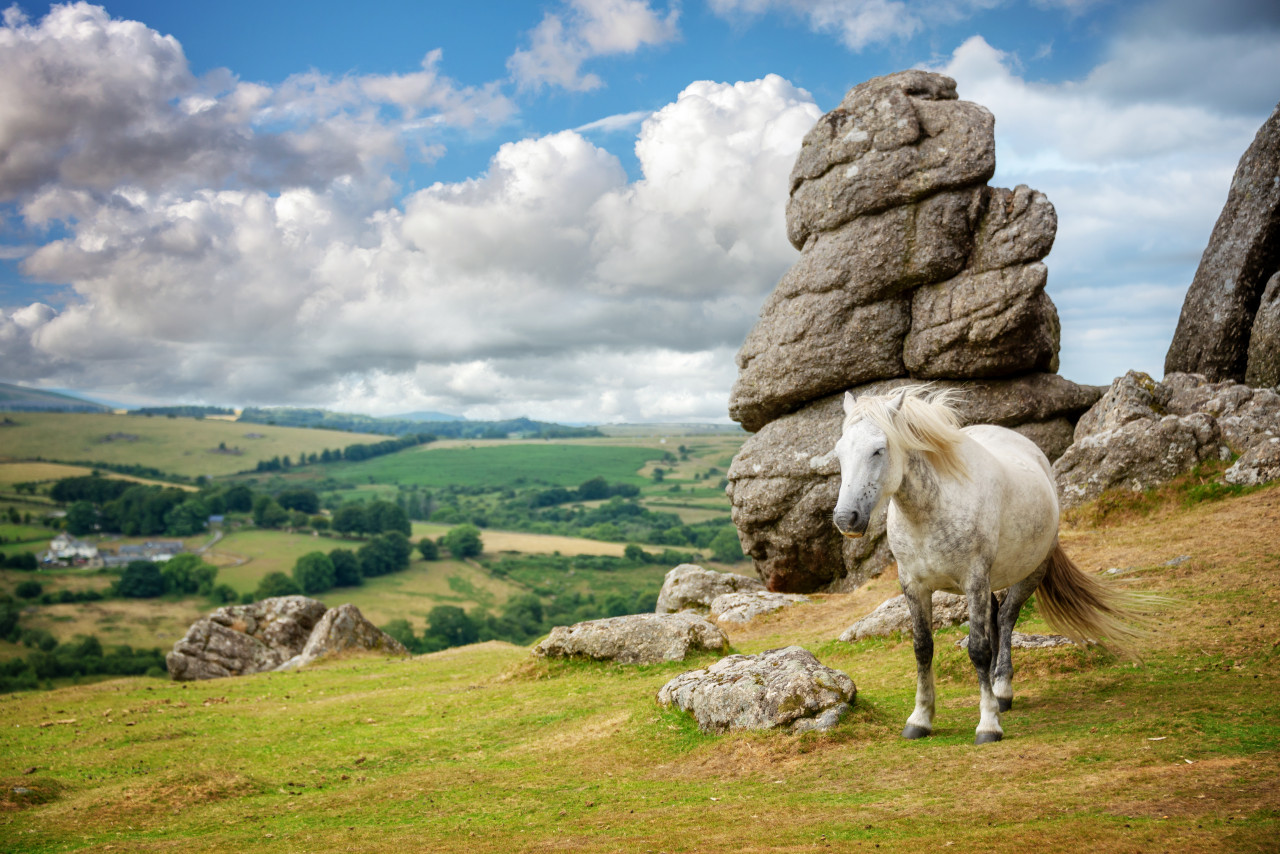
<point x="185" y="446"/>
<point x="484" y="748"/>
<point x="497" y="465"/>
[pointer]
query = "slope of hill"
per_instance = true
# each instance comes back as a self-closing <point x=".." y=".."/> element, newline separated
<point x="16" y="398"/>
<point x="182" y="446"/>
<point x="484" y="748"/>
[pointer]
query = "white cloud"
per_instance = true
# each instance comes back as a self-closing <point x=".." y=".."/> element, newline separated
<point x="549" y="286"/>
<point x="88" y="101"/>
<point x="561" y="43"/>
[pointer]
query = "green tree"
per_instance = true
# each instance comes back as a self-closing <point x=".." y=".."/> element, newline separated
<point x="463" y="541"/>
<point x="82" y="518"/>
<point x="346" y="568"/>
<point x="452" y="626"/>
<point x="185" y="574"/>
<point x="239" y="499"/>
<point x="304" y="500"/>
<point x="384" y="554"/>
<point x="314" y="573"/>
<point x="141" y="580"/>
<point x="383" y="516"/>
<point x="725" y="547"/>
<point x="188" y="518"/>
<point x="593" y="490"/>
<point x="267" y="513"/>
<point x="28" y="590"/>
<point x="350" y="519"/>
<point x="277" y="584"/>
<point x="428" y="549"/>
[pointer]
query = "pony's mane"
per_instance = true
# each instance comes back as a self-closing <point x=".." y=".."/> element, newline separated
<point x="926" y="421"/>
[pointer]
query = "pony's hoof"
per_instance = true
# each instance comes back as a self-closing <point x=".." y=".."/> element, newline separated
<point x="987" y="737"/>
<point x="1005" y="704"/>
<point x="913" y="732"/>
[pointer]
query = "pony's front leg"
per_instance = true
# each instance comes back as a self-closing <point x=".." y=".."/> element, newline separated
<point x="983" y="636"/>
<point x="920" y="605"/>
<point x="1002" y="668"/>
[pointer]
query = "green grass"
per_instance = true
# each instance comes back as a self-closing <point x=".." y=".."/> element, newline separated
<point x="185" y="446"/>
<point x="500" y="465"/>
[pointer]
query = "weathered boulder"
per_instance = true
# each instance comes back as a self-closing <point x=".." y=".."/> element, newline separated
<point x="634" y="639"/>
<point x="1019" y="640"/>
<point x="892" y="141"/>
<point x="892" y="616"/>
<point x="241" y="639"/>
<point x="1143" y="433"/>
<point x="777" y="689"/>
<point x="1259" y="464"/>
<point x="343" y="629"/>
<point x="1213" y="334"/>
<point x="689" y="587"/>
<point x="742" y="608"/>
<point x="1263" y="367"/>
<point x="784" y="481"/>
<point x="991" y="324"/>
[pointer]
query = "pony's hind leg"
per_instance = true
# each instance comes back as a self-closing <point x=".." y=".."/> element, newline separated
<point x="920" y="606"/>
<point x="982" y="651"/>
<point x="1002" y="668"/>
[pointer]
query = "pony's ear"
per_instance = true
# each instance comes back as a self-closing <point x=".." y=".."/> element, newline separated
<point x="898" y="401"/>
<point x="849" y="401"/>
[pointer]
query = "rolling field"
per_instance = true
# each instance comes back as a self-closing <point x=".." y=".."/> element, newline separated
<point x="411" y="594"/>
<point x="185" y="446"/>
<point x="499" y="465"/>
<point x="486" y="749"/>
<point x="12" y="474"/>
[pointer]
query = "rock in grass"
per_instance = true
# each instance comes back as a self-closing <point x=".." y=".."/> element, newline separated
<point x="241" y="639"/>
<point x="744" y="607"/>
<point x="689" y="587"/>
<point x="892" y="616"/>
<point x="339" y="630"/>
<point x="1020" y="640"/>
<point x="634" y="639"/>
<point x="777" y="689"/>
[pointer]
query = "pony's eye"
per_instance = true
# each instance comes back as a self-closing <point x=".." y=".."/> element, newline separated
<point x="879" y="452"/>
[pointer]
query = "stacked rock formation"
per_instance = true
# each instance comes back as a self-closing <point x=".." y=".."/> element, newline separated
<point x="912" y="269"/>
<point x="1229" y="328"/>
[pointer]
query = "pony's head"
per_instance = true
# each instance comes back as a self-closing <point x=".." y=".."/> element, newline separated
<point x="878" y="433"/>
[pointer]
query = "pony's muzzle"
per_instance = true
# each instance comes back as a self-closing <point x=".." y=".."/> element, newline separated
<point x="851" y="524"/>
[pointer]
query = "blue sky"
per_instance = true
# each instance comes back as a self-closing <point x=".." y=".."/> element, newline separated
<point x="567" y="210"/>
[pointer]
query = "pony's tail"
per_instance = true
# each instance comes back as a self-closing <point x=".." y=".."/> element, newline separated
<point x="1084" y="608"/>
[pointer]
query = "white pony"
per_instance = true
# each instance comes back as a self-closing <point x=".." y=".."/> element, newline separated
<point x="971" y="511"/>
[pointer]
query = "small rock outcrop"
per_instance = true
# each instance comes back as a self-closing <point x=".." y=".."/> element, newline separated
<point x="1143" y="433"/>
<point x="240" y="639"/>
<point x="777" y="689"/>
<point x="341" y="629"/>
<point x="283" y="632"/>
<point x="892" y="616"/>
<point x="689" y="587"/>
<point x="634" y="639"/>
<point x="741" y="608"/>
<point x="911" y="269"/>
<point x="1227" y="297"/>
<point x="1019" y="640"/>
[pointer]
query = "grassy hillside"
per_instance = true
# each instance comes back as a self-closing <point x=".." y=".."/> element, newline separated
<point x="185" y="446"/>
<point x="485" y="749"/>
<point x="500" y="465"/>
<point x="15" y="398"/>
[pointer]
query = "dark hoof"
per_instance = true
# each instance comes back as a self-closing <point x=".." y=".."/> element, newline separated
<point x="913" y="732"/>
<point x="1005" y="705"/>
<point x="987" y="737"/>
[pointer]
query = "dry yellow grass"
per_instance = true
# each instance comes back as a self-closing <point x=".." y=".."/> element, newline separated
<point x="537" y="544"/>
<point x="13" y="473"/>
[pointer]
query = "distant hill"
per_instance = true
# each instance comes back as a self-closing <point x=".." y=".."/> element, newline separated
<point x="16" y="398"/>
<point x="520" y="427"/>
<point x="425" y="416"/>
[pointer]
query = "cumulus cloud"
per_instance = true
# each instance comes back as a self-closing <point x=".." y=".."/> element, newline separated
<point x="93" y="102"/>
<point x="562" y="42"/>
<point x="551" y="285"/>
